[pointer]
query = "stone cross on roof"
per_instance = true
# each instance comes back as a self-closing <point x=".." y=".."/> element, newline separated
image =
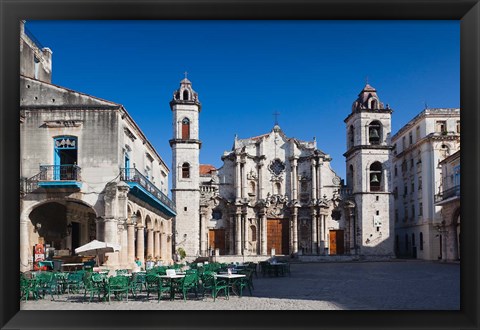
<point x="276" y="114"/>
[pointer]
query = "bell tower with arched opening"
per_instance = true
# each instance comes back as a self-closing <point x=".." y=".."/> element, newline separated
<point x="185" y="145"/>
<point x="368" y="162"/>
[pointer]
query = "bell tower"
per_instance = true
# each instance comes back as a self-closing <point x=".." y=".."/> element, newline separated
<point x="368" y="162"/>
<point x="185" y="146"/>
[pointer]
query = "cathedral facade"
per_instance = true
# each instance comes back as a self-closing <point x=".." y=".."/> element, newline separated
<point x="277" y="195"/>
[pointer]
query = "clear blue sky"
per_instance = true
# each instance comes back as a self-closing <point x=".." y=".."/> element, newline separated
<point x="244" y="71"/>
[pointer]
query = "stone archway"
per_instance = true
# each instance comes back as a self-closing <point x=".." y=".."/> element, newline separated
<point x="61" y="224"/>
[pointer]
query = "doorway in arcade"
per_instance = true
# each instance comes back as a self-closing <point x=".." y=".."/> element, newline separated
<point x="64" y="225"/>
<point x="278" y="236"/>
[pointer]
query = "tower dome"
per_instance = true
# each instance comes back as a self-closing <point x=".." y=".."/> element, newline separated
<point x="367" y="100"/>
<point x="185" y="94"/>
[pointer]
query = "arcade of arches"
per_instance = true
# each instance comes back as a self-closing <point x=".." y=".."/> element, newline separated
<point x="65" y="224"/>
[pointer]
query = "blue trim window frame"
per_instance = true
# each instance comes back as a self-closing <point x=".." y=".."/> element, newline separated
<point x="65" y="153"/>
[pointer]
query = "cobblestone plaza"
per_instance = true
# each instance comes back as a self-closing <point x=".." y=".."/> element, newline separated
<point x="396" y="285"/>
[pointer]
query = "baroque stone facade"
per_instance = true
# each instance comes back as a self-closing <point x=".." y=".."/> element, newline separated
<point x="277" y="195"/>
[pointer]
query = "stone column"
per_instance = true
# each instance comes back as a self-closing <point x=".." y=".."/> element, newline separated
<point x="123" y="237"/>
<point x="238" y="234"/>
<point x="294" y="179"/>
<point x="100" y="229"/>
<point x="321" y="234"/>
<point x="141" y="244"/>
<point x="314" y="231"/>
<point x="244" y="179"/>
<point x="111" y="236"/>
<point x="260" y="182"/>
<point x="295" y="229"/>
<point x="156" y="246"/>
<point x="319" y="179"/>
<point x="314" y="181"/>
<point x="238" y="179"/>
<point x="131" y="243"/>
<point x="24" y="246"/>
<point x="320" y="218"/>
<point x="203" y="234"/>
<point x="264" y="234"/>
<point x="245" y="233"/>
<point x="163" y="247"/>
<point x="150" y="242"/>
<point x="232" y="234"/>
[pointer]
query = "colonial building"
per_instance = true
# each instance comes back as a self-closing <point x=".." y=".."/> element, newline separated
<point x="277" y="195"/>
<point x="87" y="171"/>
<point x="448" y="198"/>
<point x="419" y="147"/>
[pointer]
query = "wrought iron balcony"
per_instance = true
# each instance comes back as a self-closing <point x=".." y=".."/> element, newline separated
<point x="54" y="176"/>
<point x="448" y="194"/>
<point x="147" y="191"/>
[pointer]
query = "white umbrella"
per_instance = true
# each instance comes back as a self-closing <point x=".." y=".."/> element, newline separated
<point x="94" y="248"/>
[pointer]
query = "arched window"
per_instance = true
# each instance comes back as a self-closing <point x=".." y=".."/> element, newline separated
<point x="421" y="241"/>
<point x="186" y="170"/>
<point x="185" y="129"/>
<point x="374" y="132"/>
<point x="376" y="176"/>
<point x="253" y="233"/>
<point x="177" y="96"/>
<point x="373" y="104"/>
<point x="185" y="95"/>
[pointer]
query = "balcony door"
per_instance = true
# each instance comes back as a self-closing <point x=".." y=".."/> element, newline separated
<point x="65" y="156"/>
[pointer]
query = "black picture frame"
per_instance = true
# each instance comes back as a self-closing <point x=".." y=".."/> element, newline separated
<point x="467" y="11"/>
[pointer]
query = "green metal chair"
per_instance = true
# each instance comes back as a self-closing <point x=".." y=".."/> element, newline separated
<point x="74" y="282"/>
<point x="253" y="267"/>
<point x="119" y="286"/>
<point x="187" y="284"/>
<point x="47" y="283"/>
<point x="27" y="286"/>
<point x="121" y="271"/>
<point x="213" y="285"/>
<point x="156" y="284"/>
<point x="94" y="284"/>
<point x="138" y="283"/>
<point x="244" y="282"/>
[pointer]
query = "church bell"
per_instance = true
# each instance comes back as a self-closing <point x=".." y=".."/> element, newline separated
<point x="374" y="134"/>
<point x="374" y="179"/>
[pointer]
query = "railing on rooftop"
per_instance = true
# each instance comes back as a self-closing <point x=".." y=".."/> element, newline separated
<point x="449" y="193"/>
<point x="51" y="173"/>
<point x="133" y="175"/>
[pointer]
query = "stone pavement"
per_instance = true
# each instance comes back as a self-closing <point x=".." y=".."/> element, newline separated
<point x="395" y="285"/>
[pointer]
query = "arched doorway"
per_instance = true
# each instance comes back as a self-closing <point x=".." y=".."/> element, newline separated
<point x="60" y="225"/>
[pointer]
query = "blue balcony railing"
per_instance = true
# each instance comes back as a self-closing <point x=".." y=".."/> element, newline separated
<point x="132" y="175"/>
<point x="53" y="176"/>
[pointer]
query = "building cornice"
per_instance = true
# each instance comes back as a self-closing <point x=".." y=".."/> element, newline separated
<point x="367" y="147"/>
